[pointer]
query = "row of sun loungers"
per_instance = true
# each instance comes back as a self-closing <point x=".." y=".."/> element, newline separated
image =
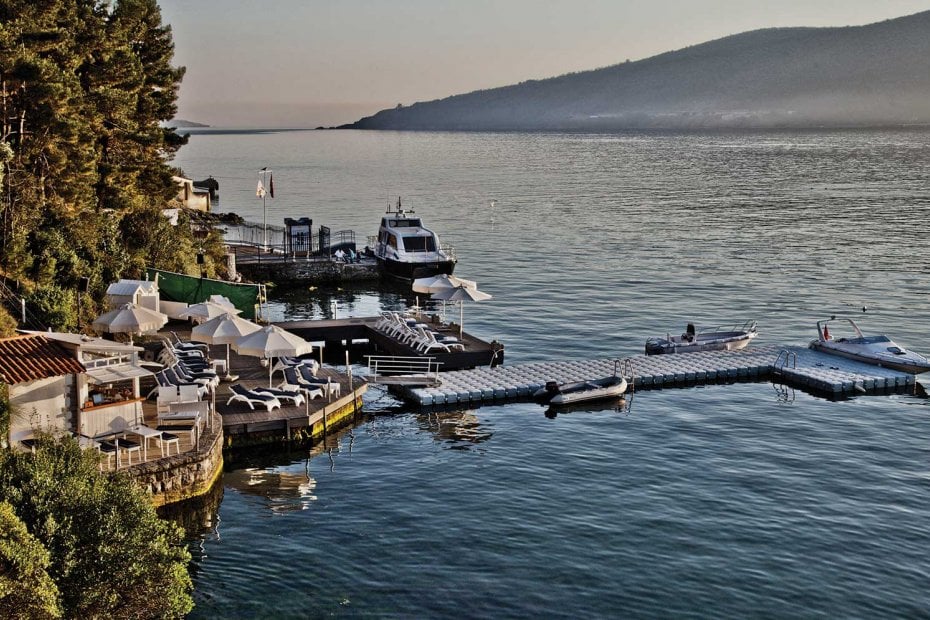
<point x="417" y="335"/>
<point x="271" y="398"/>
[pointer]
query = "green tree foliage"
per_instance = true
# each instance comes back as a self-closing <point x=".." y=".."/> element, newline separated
<point x="26" y="589"/>
<point x="111" y="556"/>
<point x="53" y="305"/>
<point x="85" y="87"/>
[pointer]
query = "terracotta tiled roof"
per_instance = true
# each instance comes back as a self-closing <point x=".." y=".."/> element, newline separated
<point x="27" y="358"/>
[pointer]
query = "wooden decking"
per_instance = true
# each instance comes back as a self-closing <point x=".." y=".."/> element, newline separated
<point x="238" y="418"/>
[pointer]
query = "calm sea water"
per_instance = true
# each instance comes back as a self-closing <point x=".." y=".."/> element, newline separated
<point x="722" y="501"/>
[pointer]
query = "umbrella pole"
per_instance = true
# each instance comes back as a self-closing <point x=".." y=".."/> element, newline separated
<point x="461" y="315"/>
<point x="228" y="369"/>
<point x="269" y="370"/>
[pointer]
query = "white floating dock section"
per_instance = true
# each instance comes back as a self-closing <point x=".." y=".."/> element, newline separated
<point x="796" y="365"/>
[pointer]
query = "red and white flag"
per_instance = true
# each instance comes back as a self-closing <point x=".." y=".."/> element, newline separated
<point x="260" y="190"/>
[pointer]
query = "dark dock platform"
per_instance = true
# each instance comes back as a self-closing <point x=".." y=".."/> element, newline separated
<point x="477" y="352"/>
<point x="264" y="265"/>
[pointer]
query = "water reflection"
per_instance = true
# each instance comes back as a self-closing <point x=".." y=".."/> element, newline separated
<point x="270" y="474"/>
<point x="458" y="430"/>
<point x="620" y="405"/>
<point x="286" y="491"/>
<point x="349" y="299"/>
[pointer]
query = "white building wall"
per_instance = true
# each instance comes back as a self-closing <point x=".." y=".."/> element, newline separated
<point x="41" y="405"/>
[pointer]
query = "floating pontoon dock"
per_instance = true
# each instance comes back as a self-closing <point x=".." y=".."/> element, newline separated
<point x="793" y="365"/>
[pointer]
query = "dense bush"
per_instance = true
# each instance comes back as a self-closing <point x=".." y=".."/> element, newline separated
<point x="110" y="555"/>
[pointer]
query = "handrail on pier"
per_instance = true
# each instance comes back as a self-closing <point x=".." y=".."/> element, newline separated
<point x="398" y="370"/>
<point x="626" y="371"/>
<point x="789" y="357"/>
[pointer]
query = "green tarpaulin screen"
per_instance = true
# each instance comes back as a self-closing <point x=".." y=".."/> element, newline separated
<point x="180" y="287"/>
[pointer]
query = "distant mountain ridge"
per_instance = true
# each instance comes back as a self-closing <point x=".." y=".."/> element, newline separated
<point x="878" y="74"/>
<point x="182" y="123"/>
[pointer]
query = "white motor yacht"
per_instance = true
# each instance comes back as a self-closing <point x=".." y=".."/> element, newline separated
<point x="879" y="350"/>
<point x="407" y="250"/>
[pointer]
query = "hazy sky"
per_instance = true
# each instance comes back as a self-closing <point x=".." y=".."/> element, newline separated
<point x="303" y="63"/>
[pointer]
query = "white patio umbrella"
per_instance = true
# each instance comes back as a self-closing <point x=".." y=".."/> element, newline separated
<point x="461" y="294"/>
<point x="224" y="329"/>
<point x="206" y="310"/>
<point x="130" y="319"/>
<point x="440" y="282"/>
<point x="222" y="300"/>
<point x="272" y="341"/>
<point x="434" y="284"/>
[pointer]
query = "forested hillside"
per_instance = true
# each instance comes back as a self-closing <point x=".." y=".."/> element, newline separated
<point x="84" y="86"/>
<point x="877" y="74"/>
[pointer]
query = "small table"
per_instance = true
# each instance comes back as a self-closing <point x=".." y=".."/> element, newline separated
<point x="146" y="433"/>
<point x="219" y="367"/>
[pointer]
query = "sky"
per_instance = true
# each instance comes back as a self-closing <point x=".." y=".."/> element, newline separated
<point x="306" y="63"/>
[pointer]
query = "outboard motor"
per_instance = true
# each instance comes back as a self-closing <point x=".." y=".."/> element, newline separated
<point x="552" y="388"/>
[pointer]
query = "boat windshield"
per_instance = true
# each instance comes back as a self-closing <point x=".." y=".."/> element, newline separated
<point x="419" y="244"/>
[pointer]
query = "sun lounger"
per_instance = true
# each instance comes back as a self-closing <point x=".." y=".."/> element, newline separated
<point x="178" y="379"/>
<point x="165" y="379"/>
<point x="295" y="397"/>
<point x="252" y="398"/>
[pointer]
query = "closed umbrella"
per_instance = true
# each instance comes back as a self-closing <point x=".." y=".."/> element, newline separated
<point x="130" y="319"/>
<point x="206" y="310"/>
<point x="272" y="341"/>
<point x="224" y="329"/>
<point x="461" y="294"/>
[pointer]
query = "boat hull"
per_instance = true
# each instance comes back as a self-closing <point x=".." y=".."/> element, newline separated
<point x="912" y="365"/>
<point x="664" y="347"/>
<point x="411" y="271"/>
<point x="582" y="391"/>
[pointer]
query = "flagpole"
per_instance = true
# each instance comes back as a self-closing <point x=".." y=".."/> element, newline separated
<point x="262" y="174"/>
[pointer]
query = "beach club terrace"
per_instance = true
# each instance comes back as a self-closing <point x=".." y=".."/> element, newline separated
<point x="169" y="436"/>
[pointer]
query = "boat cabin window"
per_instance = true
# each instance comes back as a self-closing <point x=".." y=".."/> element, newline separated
<point x="392" y="240"/>
<point x="405" y="223"/>
<point x="419" y="244"/>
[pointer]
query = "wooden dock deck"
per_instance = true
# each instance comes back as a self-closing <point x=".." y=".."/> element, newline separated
<point x="310" y="418"/>
<point x="794" y="365"/>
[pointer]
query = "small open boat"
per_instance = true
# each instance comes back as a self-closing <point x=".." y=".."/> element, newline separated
<point x="556" y="393"/>
<point x="723" y="338"/>
<point x="879" y="350"/>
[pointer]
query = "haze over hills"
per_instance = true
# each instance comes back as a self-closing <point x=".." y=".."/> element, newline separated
<point x="878" y="74"/>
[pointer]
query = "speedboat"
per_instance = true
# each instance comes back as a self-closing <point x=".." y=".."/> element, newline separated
<point x="722" y="338"/>
<point x="407" y="250"/>
<point x="556" y="393"/>
<point x="879" y="350"/>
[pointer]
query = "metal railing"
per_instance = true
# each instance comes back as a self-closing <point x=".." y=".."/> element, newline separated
<point x="403" y="370"/>
<point x="789" y="357"/>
